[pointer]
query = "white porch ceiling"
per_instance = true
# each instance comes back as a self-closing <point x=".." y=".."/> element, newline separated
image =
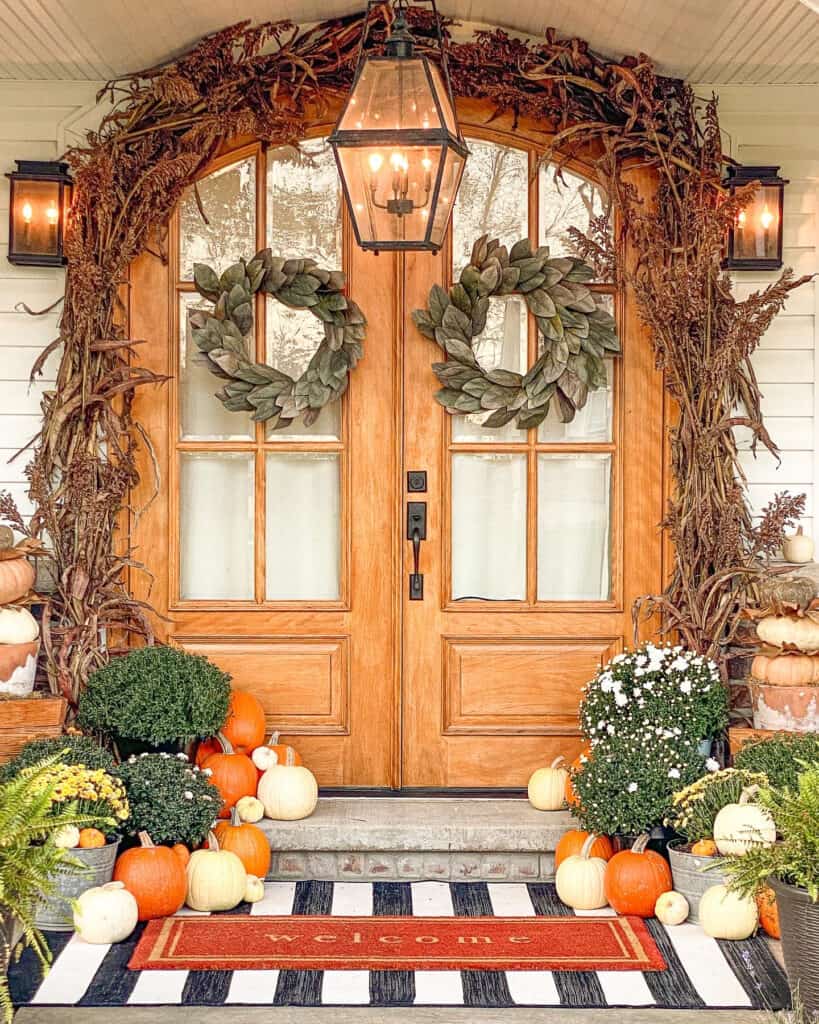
<point x="723" y="42"/>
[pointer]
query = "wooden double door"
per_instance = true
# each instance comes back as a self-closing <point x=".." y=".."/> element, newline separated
<point x="284" y="555"/>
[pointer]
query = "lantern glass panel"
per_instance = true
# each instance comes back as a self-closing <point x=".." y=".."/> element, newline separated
<point x="391" y="95"/>
<point x="450" y="181"/>
<point x="36" y="217"/>
<point x="756" y="232"/>
<point x="379" y="175"/>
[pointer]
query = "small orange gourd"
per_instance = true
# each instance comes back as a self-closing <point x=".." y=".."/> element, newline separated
<point x="155" y="876"/>
<point x="91" y="838"/>
<point x="234" y="775"/>
<point x="768" y="912"/>
<point x="247" y="841"/>
<point x="636" y="878"/>
<point x="704" y="848"/>
<point x="571" y="843"/>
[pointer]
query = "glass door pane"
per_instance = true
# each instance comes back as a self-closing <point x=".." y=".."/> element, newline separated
<point x="574" y="508"/>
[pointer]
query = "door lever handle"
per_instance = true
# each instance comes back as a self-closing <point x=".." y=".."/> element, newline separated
<point x="416" y="532"/>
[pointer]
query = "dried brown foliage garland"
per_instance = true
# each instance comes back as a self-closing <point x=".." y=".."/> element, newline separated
<point x="269" y="81"/>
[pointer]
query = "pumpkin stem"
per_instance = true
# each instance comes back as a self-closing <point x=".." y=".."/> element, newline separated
<point x="224" y="743"/>
<point x="290" y="760"/>
<point x="235" y="820"/>
<point x="145" y="840"/>
<point x="558" y="760"/>
<point x="585" y="850"/>
<point x="213" y="842"/>
<point x="274" y="738"/>
<point x="640" y="843"/>
<point x="799" y="531"/>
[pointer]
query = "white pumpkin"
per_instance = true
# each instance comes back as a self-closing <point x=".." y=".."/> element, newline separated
<point x="579" y="879"/>
<point x="17" y="626"/>
<point x="798" y="547"/>
<point x="250" y="808"/>
<point x="726" y="915"/>
<point x="547" y="786"/>
<point x="288" y="791"/>
<point x="741" y="826"/>
<point x="66" y="837"/>
<point x="671" y="908"/>
<point x="217" y="879"/>
<point x="789" y="631"/>
<point x="107" y="913"/>
<point x="254" y="889"/>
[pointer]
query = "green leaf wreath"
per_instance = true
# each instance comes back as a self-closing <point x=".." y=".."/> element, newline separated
<point x="576" y="334"/>
<point x="269" y="394"/>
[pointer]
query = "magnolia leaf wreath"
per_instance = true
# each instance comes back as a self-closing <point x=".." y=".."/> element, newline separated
<point x="220" y="335"/>
<point x="576" y="334"/>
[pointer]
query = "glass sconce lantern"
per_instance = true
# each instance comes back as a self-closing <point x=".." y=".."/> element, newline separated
<point x="755" y="238"/>
<point x="399" y="150"/>
<point x="39" y="202"/>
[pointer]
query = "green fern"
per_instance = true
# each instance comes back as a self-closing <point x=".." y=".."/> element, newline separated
<point x="29" y="860"/>
<point x="795" y="858"/>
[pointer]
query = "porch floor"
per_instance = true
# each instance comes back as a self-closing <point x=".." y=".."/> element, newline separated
<point x="418" y="838"/>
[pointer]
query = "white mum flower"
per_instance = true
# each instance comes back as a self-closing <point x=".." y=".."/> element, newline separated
<point x="680" y="664"/>
<point x="620" y="699"/>
<point x="712" y="764"/>
<point x="632" y="787"/>
<point x="673" y="773"/>
<point x="182" y="756"/>
<point x="188" y="795"/>
<point x="685" y="686"/>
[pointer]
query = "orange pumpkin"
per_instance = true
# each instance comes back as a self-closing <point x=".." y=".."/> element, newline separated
<point x="572" y="799"/>
<point x="155" y="876"/>
<point x="182" y="852"/>
<point x="91" y="838"/>
<point x="245" y="725"/>
<point x="247" y="841"/>
<point x="635" y="879"/>
<point x="768" y="912"/>
<point x="205" y="749"/>
<point x="16" y="579"/>
<point x="234" y="775"/>
<point x="571" y="843"/>
<point x="704" y="848"/>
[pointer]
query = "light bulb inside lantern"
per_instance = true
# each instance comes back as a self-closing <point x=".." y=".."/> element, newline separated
<point x="375" y="161"/>
<point x="27" y="212"/>
<point x="52" y="213"/>
<point x="766" y="218"/>
<point x="741" y="218"/>
<point x="399" y="162"/>
<point x="426" y="163"/>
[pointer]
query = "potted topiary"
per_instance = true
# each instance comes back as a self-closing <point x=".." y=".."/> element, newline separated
<point x="695" y="859"/>
<point x="169" y="798"/>
<point x="30" y="860"/>
<point x="92" y="793"/>
<point x="791" y="867"/>
<point x="155" y="698"/>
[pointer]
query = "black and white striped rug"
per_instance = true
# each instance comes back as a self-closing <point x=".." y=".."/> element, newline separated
<point x="702" y="972"/>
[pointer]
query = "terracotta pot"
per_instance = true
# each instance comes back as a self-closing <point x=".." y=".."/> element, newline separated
<point x="790" y="708"/>
<point x="18" y="667"/>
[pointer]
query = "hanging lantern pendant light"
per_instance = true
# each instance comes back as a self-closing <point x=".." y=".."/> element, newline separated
<point x="397" y="143"/>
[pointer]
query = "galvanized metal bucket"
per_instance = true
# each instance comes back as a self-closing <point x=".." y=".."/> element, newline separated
<point x="691" y="877"/>
<point x="54" y="914"/>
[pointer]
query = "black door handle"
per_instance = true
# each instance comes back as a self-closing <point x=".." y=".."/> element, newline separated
<point x="416" y="532"/>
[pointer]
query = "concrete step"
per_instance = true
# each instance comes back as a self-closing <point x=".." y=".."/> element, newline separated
<point x="414" y="839"/>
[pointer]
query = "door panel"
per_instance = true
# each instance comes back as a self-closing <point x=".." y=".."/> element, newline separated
<point x="274" y="553"/>
<point x="531" y="564"/>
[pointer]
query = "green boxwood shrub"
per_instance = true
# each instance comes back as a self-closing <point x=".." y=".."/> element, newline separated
<point x="170" y="799"/>
<point x="782" y="757"/>
<point x="78" y="750"/>
<point x="156" y="695"/>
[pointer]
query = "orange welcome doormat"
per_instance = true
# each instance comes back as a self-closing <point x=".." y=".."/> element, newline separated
<point x="234" y="942"/>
